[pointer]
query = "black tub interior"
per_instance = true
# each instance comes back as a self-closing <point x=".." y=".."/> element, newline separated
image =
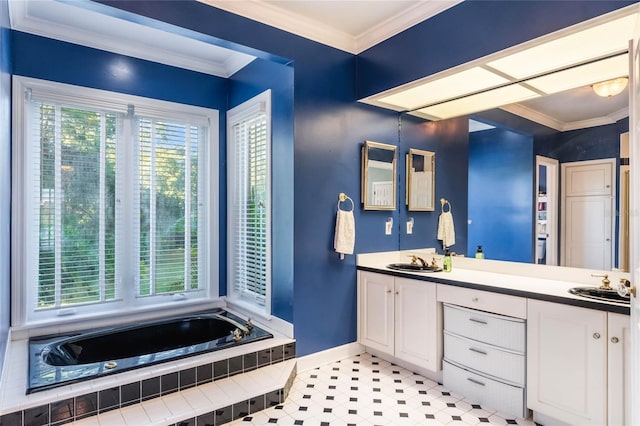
<point x="59" y="360"/>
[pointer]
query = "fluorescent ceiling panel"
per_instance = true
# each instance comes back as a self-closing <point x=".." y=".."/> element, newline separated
<point x="479" y="102"/>
<point x="584" y="75"/>
<point x="595" y="42"/>
<point x="452" y="86"/>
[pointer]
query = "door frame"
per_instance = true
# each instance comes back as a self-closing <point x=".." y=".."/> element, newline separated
<point x="632" y="408"/>
<point x="551" y="246"/>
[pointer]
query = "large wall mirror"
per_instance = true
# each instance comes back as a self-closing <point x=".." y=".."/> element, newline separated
<point x="420" y="190"/>
<point x="505" y="203"/>
<point x="378" y="176"/>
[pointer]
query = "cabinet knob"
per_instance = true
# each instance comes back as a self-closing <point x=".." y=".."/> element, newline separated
<point x="397" y="293"/>
<point x="614" y="339"/>
<point x="474" y="299"/>
<point x="596" y="336"/>
<point x="388" y="291"/>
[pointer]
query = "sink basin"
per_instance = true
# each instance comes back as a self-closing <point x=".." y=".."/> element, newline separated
<point x="410" y="267"/>
<point x="599" y="294"/>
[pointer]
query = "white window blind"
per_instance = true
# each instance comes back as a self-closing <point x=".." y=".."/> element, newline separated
<point x="74" y="149"/>
<point x="112" y="208"/>
<point x="249" y="202"/>
<point x="169" y="210"/>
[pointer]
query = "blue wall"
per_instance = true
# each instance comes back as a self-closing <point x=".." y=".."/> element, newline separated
<point x="592" y="143"/>
<point x="5" y="176"/>
<point x="252" y="80"/>
<point x="501" y="185"/>
<point x="449" y="139"/>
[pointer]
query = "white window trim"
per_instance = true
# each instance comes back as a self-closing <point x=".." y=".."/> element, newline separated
<point x="234" y="115"/>
<point x="21" y="317"/>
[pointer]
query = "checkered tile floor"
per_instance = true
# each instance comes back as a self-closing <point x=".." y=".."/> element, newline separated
<point x="366" y="390"/>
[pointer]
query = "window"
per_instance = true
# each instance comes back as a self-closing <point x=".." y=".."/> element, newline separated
<point x="249" y="203"/>
<point x="112" y="201"/>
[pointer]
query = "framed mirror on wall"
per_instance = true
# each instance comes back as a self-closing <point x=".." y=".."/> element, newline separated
<point x="378" y="190"/>
<point x="420" y="193"/>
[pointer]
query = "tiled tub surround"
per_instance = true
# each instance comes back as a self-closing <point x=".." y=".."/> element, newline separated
<point x="213" y="384"/>
<point x="58" y="360"/>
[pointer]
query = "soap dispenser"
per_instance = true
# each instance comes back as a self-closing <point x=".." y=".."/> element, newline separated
<point x="479" y="253"/>
<point x="446" y="261"/>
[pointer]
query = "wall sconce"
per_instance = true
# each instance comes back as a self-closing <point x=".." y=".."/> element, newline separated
<point x="609" y="88"/>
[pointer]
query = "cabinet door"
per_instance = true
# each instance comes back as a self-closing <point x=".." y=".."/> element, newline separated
<point x="417" y="337"/>
<point x="567" y="362"/>
<point x="619" y="363"/>
<point x="375" y="302"/>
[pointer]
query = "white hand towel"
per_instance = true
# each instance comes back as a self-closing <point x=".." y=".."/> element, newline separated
<point x="345" y="237"/>
<point x="446" y="233"/>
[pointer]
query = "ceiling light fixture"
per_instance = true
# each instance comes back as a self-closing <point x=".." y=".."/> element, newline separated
<point x="610" y="88"/>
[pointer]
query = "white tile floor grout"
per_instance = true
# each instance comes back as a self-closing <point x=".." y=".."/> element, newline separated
<point x="365" y="390"/>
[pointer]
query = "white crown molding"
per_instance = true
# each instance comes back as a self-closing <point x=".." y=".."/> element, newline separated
<point x="50" y="19"/>
<point x="400" y="22"/>
<point x="320" y="32"/>
<point x="620" y="114"/>
<point x="533" y="115"/>
<point x="287" y="21"/>
<point x="545" y="120"/>
<point x="592" y="122"/>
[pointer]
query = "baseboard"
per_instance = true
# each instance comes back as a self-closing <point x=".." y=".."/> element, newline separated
<point x="318" y="359"/>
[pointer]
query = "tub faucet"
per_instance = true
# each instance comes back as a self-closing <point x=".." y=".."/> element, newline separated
<point x="237" y="334"/>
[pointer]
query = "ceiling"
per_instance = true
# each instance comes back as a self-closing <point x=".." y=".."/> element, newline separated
<point x="352" y="26"/>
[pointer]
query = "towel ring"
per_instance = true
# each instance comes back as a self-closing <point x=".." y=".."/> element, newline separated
<point x="344" y="197"/>
<point x="443" y="202"/>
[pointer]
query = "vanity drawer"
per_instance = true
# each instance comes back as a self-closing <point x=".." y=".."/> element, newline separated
<point x="500" y="396"/>
<point x="497" y="330"/>
<point x="490" y="360"/>
<point x="503" y="304"/>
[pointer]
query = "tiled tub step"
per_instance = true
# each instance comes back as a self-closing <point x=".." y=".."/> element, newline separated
<point x="215" y="387"/>
<point x="210" y="404"/>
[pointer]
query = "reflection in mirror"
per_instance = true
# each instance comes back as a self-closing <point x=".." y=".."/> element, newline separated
<point x="420" y="180"/>
<point x="512" y="197"/>
<point x="378" y="176"/>
<point x="547" y="175"/>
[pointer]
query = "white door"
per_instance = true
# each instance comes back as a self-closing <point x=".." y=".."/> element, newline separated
<point x="634" y="223"/>
<point x="587" y="214"/>
<point x="587" y="232"/>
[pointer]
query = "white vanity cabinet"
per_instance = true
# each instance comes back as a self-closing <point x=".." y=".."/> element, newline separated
<point x="400" y="317"/>
<point x="575" y="363"/>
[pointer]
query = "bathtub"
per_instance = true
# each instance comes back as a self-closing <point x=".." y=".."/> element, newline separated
<point x="60" y="360"/>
